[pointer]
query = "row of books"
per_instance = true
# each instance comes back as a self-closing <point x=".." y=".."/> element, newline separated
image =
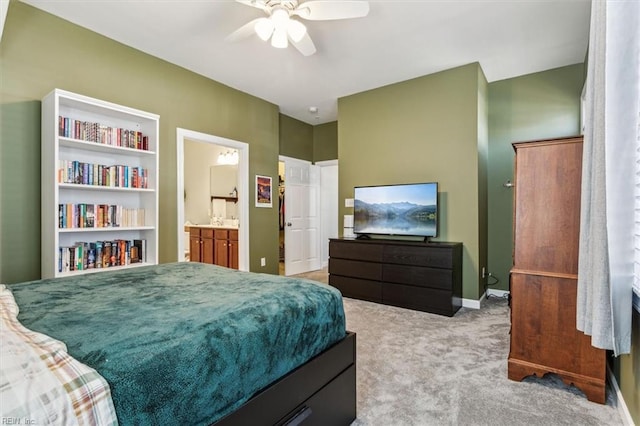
<point x="99" y="216"/>
<point x="101" y="254"/>
<point x="73" y="171"/>
<point x="100" y="133"/>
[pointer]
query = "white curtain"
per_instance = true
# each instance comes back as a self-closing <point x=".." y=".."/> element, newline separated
<point x="612" y="102"/>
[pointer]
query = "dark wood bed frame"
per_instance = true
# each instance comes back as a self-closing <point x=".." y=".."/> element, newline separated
<point x="320" y="392"/>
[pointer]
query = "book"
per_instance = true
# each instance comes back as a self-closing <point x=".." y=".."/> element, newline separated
<point x="99" y="246"/>
<point x="135" y="257"/>
<point x="79" y="258"/>
<point x="106" y="254"/>
<point x="140" y="246"/>
<point x="122" y="251"/>
<point x="90" y="215"/>
<point x="91" y="256"/>
<point x="115" y="257"/>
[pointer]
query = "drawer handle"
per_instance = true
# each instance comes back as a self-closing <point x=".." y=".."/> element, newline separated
<point x="304" y="413"/>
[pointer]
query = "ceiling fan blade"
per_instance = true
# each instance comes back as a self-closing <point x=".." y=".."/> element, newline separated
<point x="327" y="10"/>
<point x="260" y="4"/>
<point x="304" y="45"/>
<point x="243" y="32"/>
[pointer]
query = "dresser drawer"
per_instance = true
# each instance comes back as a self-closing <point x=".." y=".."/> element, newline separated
<point x="418" y="276"/>
<point x="357" y="288"/>
<point x="356" y="251"/>
<point x="419" y="256"/>
<point x="419" y="298"/>
<point x="355" y="268"/>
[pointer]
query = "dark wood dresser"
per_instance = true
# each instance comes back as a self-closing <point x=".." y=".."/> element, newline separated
<point x="544" y="338"/>
<point x="415" y="275"/>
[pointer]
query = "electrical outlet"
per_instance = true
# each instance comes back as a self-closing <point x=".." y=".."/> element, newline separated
<point x="263" y="261"/>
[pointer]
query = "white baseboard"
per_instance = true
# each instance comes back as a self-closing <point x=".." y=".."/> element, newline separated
<point x="471" y="303"/>
<point x="477" y="304"/>
<point x="622" y="406"/>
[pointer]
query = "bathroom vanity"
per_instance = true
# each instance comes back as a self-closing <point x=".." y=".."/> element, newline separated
<point x="214" y="244"/>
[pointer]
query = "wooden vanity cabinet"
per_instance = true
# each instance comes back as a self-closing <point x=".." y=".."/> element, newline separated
<point x="226" y="248"/>
<point x="201" y="247"/>
<point x="217" y="246"/>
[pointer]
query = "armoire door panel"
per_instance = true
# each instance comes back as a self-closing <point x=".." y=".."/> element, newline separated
<point x="547" y="206"/>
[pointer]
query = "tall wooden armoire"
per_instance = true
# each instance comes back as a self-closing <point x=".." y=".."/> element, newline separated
<point x="544" y="338"/>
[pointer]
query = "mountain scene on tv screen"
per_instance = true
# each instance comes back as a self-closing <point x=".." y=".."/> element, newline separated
<point x="394" y="218"/>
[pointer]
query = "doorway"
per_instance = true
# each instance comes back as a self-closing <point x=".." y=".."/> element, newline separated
<point x="281" y="194"/>
<point x="240" y="211"/>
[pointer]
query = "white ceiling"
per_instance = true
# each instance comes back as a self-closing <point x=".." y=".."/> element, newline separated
<point x="397" y="41"/>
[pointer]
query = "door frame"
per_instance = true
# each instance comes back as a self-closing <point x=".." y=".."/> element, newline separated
<point x="243" y="189"/>
<point x="328" y="224"/>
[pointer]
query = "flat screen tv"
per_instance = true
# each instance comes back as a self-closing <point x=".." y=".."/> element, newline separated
<point x="405" y="209"/>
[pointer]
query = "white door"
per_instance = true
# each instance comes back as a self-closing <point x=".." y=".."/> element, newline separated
<point x="301" y="217"/>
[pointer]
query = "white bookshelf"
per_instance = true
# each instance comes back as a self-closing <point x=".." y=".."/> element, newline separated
<point x="57" y="148"/>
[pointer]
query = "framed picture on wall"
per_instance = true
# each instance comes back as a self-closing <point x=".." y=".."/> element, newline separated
<point x="263" y="191"/>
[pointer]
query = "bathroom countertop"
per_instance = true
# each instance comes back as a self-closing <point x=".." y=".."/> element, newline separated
<point x="211" y="226"/>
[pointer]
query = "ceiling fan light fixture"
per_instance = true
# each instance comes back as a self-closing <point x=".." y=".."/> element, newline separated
<point x="280" y="17"/>
<point x="264" y="28"/>
<point x="283" y="27"/>
<point x="279" y="38"/>
<point x="296" y="30"/>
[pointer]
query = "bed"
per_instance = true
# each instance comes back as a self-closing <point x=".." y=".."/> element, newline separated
<point x="190" y="343"/>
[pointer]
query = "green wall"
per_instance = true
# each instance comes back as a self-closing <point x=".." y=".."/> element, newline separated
<point x="306" y="142"/>
<point x="627" y="369"/>
<point x="325" y="141"/>
<point x="535" y="106"/>
<point x="40" y="52"/>
<point x="296" y="138"/>
<point x="422" y="130"/>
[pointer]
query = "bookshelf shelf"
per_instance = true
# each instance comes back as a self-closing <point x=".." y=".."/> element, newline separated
<point x="81" y="187"/>
<point x="106" y="229"/>
<point x="114" y="268"/>
<point x="110" y="151"/>
<point x="98" y="147"/>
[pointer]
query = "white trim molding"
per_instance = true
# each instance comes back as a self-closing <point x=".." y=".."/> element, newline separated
<point x="4" y="8"/>
<point x="498" y="293"/>
<point x="471" y="303"/>
<point x="623" y="410"/>
<point x="243" y="187"/>
<point x="477" y="304"/>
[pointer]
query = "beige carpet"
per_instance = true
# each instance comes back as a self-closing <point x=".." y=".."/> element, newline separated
<point x="416" y="368"/>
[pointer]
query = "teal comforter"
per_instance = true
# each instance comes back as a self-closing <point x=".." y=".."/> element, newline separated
<point x="184" y="343"/>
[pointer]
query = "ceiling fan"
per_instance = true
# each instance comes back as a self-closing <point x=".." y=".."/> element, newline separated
<point x="281" y="26"/>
